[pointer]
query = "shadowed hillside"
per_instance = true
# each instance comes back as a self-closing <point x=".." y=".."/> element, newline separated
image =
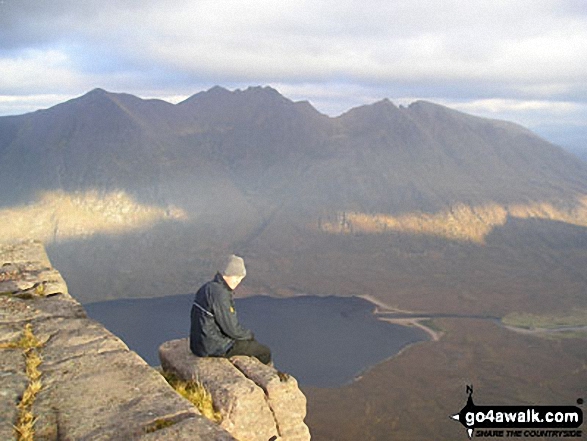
<point x="409" y="196"/>
<point x="421" y="208"/>
<point x="423" y="157"/>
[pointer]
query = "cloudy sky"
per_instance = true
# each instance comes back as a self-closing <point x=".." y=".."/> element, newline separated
<point x="520" y="60"/>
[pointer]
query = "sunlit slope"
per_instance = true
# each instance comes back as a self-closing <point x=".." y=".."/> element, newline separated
<point x="418" y="205"/>
<point x="59" y="216"/>
<point x="460" y="222"/>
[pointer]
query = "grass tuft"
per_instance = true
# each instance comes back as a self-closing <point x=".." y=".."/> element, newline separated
<point x="27" y="341"/>
<point x="29" y="344"/>
<point x="25" y="426"/>
<point x="40" y="289"/>
<point x="196" y="393"/>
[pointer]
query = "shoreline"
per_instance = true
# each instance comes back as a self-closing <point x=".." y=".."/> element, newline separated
<point x="383" y="308"/>
<point x="380" y="304"/>
<point x="434" y="335"/>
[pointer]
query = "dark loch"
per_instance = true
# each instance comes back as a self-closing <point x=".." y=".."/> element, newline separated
<point x="322" y="341"/>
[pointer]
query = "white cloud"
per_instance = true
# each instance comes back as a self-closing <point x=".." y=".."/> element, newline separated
<point x="382" y="42"/>
<point x="530" y="113"/>
<point x="505" y="105"/>
<point x="310" y="41"/>
<point x="18" y="104"/>
<point x="35" y="70"/>
<point x="335" y="53"/>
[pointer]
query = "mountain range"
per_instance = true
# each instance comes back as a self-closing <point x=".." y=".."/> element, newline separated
<point x="377" y="158"/>
<point x="422" y="208"/>
<point x="310" y="200"/>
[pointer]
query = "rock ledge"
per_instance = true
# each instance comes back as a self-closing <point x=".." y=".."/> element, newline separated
<point x="255" y="403"/>
<point x="93" y="386"/>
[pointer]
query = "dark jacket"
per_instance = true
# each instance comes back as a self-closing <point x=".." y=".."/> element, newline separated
<point x="214" y="324"/>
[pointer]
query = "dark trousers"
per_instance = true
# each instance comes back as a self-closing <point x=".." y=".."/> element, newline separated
<point x="251" y="348"/>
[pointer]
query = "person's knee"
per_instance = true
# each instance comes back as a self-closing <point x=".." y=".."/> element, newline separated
<point x="264" y="358"/>
<point x="265" y="355"/>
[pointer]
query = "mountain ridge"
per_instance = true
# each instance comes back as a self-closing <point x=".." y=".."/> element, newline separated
<point x="119" y="141"/>
<point x="254" y="172"/>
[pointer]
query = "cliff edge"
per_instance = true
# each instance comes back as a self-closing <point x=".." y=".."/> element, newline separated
<point x="64" y="376"/>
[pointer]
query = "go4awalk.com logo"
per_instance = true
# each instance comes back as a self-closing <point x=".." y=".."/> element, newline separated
<point x="520" y="421"/>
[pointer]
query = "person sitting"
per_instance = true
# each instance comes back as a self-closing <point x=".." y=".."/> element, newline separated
<point x="215" y="330"/>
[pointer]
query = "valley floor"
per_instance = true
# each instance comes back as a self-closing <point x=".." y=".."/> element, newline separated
<point x="410" y="396"/>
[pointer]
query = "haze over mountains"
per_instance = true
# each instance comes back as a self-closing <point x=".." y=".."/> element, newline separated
<point x="581" y="153"/>
<point x="377" y="158"/>
<point x="302" y="195"/>
<point x="421" y="207"/>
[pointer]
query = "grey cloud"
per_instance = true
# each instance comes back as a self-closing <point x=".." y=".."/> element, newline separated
<point x="34" y="23"/>
<point x="379" y="40"/>
<point x="451" y="50"/>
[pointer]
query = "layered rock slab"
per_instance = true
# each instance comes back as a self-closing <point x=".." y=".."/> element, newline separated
<point x="286" y="400"/>
<point x="93" y="386"/>
<point x="255" y="403"/>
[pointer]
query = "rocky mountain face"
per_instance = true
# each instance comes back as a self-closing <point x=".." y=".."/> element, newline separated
<point x="386" y="158"/>
<point x="374" y="201"/>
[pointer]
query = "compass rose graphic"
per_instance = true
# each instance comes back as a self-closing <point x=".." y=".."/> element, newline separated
<point x="469" y="407"/>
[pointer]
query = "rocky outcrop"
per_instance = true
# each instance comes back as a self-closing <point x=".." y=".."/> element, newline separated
<point x="256" y="403"/>
<point x="72" y="377"/>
